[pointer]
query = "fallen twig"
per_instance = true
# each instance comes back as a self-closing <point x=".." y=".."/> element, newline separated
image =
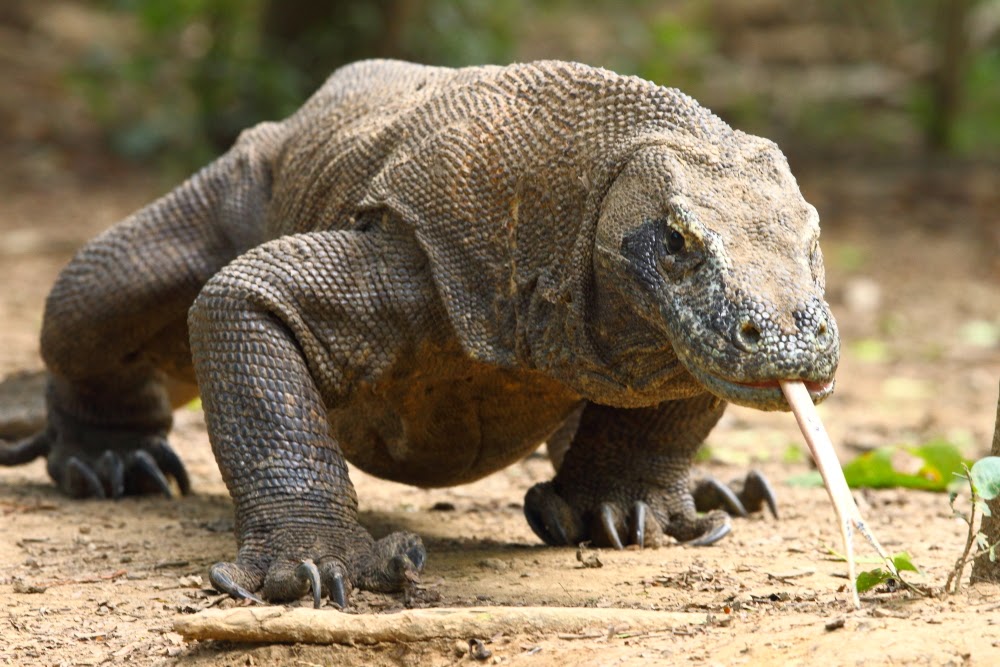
<point x="319" y="626"/>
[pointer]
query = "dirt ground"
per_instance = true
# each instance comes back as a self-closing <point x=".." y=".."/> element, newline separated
<point x="913" y="259"/>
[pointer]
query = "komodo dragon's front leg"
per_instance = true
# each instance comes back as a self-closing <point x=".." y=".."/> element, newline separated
<point x="279" y="337"/>
<point x="625" y="479"/>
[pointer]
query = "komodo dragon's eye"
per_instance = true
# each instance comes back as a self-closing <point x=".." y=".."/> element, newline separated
<point x="675" y="242"/>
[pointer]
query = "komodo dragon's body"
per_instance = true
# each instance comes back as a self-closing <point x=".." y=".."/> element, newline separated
<point x="428" y="272"/>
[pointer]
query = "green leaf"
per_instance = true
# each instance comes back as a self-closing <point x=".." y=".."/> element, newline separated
<point x="872" y="578"/>
<point x="982" y="541"/>
<point x="939" y="462"/>
<point x="985" y="474"/>
<point x="983" y="508"/>
<point x="903" y="562"/>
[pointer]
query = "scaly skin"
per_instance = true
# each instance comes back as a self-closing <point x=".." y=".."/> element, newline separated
<point x="428" y="272"/>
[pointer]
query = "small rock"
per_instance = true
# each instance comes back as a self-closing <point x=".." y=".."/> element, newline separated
<point x="835" y="624"/>
<point x="588" y="558"/>
<point x="24" y="587"/>
<point x="494" y="564"/>
<point x="190" y="581"/>
<point x="478" y="650"/>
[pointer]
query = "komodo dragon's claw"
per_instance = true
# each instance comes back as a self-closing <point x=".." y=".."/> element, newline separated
<point x="711" y="536"/>
<point x="757" y="488"/>
<point x="221" y="576"/>
<point x="640" y="529"/>
<point x="710" y="493"/>
<point x="81" y="481"/>
<point x="111" y="467"/>
<point x="26" y="450"/>
<point x="308" y="573"/>
<point x="738" y="498"/>
<point x="148" y="473"/>
<point x="607" y="518"/>
<point x="171" y="464"/>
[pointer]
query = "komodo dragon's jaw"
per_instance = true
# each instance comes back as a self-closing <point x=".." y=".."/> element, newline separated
<point x="717" y="255"/>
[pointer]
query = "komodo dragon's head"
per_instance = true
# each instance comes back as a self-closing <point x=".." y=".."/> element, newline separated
<point x="715" y="249"/>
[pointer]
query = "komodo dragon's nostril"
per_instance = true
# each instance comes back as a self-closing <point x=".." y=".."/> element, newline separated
<point x="748" y="336"/>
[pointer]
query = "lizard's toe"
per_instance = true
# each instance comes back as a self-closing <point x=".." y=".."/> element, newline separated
<point x="307" y="573"/>
<point x="393" y="563"/>
<point x="168" y="461"/>
<point x="144" y="475"/>
<point x="236" y="580"/>
<point x="710" y="493"/>
<point x="612" y="527"/>
<point x="23" y="451"/>
<point x="111" y="469"/>
<point x="79" y="480"/>
<point x="738" y="498"/>
<point x="757" y="490"/>
<point x="551" y="518"/>
<point x="288" y="580"/>
<point x="698" y="531"/>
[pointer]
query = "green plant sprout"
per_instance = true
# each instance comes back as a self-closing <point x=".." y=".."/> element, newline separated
<point x="984" y="484"/>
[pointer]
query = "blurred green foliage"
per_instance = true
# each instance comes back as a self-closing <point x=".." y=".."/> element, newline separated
<point x="188" y="75"/>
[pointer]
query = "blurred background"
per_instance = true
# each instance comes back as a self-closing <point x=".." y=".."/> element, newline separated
<point x="170" y="83"/>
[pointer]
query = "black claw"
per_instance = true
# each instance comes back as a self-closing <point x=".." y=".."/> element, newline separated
<point x="759" y="489"/>
<point x="606" y="515"/>
<point x="712" y="536"/>
<point x="338" y="593"/>
<point x="25" y="450"/>
<point x="81" y="481"/>
<point x="144" y="464"/>
<point x="112" y="468"/>
<point x="639" y="526"/>
<point x="172" y="465"/>
<point x="224" y="584"/>
<point x="551" y="531"/>
<point x="728" y="498"/>
<point x="308" y="573"/>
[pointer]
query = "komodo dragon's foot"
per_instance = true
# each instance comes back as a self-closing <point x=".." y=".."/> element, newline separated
<point x="291" y="561"/>
<point x="127" y="463"/>
<point x="641" y="514"/>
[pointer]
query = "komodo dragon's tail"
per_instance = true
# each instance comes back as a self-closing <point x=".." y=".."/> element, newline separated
<point x="22" y="418"/>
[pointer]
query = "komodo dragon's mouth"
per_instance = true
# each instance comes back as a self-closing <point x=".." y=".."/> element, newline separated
<point x="764" y="395"/>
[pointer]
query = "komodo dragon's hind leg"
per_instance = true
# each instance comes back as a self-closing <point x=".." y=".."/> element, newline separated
<point x="114" y="336"/>
<point x="625" y="479"/>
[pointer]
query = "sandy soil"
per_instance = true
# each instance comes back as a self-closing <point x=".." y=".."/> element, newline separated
<point x="913" y="272"/>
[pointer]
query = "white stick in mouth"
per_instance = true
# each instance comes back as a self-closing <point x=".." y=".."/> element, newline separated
<point x="821" y="448"/>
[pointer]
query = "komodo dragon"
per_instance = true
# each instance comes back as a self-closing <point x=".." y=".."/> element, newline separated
<point x="428" y="272"/>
